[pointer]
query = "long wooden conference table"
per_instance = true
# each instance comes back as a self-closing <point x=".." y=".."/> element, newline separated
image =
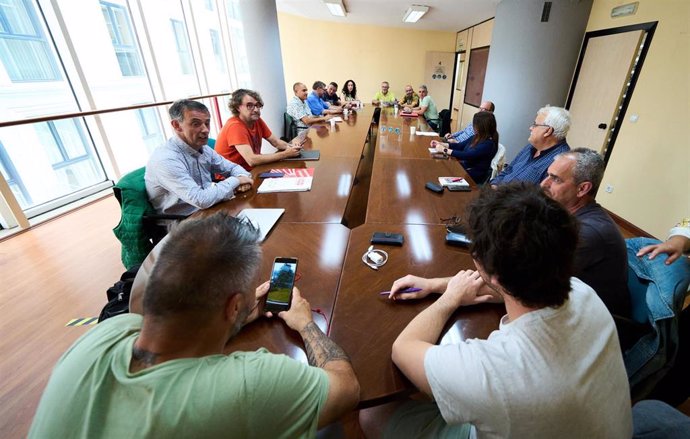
<point x="366" y="181"/>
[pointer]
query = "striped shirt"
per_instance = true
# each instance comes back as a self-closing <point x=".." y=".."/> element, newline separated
<point x="179" y="178"/>
<point x="465" y="134"/>
<point x="297" y="109"/>
<point x="526" y="167"/>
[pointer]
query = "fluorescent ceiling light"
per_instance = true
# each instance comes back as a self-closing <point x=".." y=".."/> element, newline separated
<point x="414" y="13"/>
<point x="336" y="7"/>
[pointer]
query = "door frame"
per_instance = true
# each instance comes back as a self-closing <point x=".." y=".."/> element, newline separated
<point x="649" y="29"/>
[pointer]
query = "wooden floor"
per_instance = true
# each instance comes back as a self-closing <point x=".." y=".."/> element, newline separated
<point x="51" y="274"/>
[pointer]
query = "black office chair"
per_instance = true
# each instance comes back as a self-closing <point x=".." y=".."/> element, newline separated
<point x="443" y="122"/>
<point x="290" y="131"/>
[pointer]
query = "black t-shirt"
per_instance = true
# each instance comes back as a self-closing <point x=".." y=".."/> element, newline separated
<point x="601" y="258"/>
<point x="333" y="99"/>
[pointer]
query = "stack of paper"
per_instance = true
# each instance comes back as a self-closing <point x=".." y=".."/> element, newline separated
<point x="294" y="180"/>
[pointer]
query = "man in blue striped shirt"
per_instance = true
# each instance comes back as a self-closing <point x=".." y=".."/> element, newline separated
<point x="468" y="132"/>
<point x="546" y="141"/>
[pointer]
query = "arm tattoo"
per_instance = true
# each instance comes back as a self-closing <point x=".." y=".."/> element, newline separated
<point x="320" y="349"/>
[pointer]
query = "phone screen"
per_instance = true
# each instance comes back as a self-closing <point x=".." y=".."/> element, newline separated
<point x="282" y="281"/>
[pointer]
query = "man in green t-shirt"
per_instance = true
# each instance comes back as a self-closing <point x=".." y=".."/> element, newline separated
<point x="164" y="374"/>
<point x="426" y="108"/>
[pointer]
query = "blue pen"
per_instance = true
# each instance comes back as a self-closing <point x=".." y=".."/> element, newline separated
<point x="405" y="290"/>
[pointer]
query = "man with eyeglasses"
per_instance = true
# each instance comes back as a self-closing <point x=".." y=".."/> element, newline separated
<point x="240" y="139"/>
<point x="299" y="110"/>
<point x="411" y="99"/>
<point x="317" y="105"/>
<point x="468" y="131"/>
<point x="546" y="141"/>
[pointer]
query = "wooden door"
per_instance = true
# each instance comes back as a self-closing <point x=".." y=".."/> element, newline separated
<point x="603" y="79"/>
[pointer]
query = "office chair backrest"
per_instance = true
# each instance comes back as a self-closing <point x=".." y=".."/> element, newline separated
<point x="444" y="122"/>
<point x="290" y="131"/>
<point x="498" y="161"/>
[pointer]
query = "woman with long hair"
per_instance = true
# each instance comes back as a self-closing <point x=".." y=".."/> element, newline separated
<point x="475" y="154"/>
<point x="350" y="90"/>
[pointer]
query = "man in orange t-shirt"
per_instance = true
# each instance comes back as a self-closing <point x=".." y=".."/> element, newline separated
<point x="240" y="139"/>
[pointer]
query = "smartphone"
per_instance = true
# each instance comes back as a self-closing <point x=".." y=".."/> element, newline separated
<point x="271" y="175"/>
<point x="282" y="280"/>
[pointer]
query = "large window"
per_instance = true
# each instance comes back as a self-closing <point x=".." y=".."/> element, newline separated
<point x="120" y="30"/>
<point x="217" y="50"/>
<point x="24" y="51"/>
<point x="182" y="45"/>
<point x="150" y="127"/>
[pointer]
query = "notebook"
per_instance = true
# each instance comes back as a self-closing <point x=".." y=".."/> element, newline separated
<point x="263" y="219"/>
<point x="312" y="154"/>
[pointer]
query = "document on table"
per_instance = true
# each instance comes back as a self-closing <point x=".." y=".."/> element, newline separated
<point x="336" y="118"/>
<point x="453" y="181"/>
<point x="285" y="184"/>
<point x="262" y="219"/>
<point x="427" y="133"/>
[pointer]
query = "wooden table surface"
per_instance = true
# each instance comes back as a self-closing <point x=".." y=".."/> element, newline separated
<point x="365" y="324"/>
<point x="398" y="194"/>
<point x="379" y="179"/>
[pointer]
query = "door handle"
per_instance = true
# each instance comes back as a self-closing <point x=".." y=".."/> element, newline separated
<point x="602" y="126"/>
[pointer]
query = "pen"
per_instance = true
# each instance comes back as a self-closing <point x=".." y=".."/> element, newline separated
<point x="457" y="179"/>
<point x="405" y="290"/>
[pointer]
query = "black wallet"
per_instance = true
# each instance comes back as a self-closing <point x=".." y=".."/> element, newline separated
<point x="387" y="238"/>
<point x="434" y="187"/>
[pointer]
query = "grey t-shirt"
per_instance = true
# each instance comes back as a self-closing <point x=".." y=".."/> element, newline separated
<point x="551" y="373"/>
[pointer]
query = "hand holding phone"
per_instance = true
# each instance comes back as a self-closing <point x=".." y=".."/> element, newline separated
<point x="299" y="315"/>
<point x="282" y="281"/>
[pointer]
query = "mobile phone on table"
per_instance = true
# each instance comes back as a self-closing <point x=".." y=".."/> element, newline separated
<point x="282" y="280"/>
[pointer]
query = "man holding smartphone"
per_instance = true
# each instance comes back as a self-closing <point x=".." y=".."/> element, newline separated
<point x="165" y="373"/>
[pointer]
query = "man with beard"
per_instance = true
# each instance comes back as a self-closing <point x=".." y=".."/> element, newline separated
<point x="166" y="374"/>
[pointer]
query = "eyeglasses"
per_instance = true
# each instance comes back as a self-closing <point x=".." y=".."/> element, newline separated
<point x="534" y="125"/>
<point x="251" y="106"/>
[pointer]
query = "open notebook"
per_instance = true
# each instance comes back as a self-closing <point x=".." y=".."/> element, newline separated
<point x="263" y="219"/>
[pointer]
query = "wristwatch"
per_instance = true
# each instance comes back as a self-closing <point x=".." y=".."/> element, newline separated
<point x="445" y="151"/>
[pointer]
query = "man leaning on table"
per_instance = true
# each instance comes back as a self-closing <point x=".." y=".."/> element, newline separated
<point x="317" y="105"/>
<point x="240" y="138"/>
<point x="299" y="110"/>
<point x="426" y="108"/>
<point x="410" y="99"/>
<point x="553" y="369"/>
<point x="546" y="141"/>
<point x="468" y="131"/>
<point x="385" y="97"/>
<point x="179" y="174"/>
<point x="167" y="373"/>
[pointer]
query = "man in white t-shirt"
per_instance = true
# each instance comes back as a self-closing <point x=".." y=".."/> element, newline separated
<point x="553" y="369"/>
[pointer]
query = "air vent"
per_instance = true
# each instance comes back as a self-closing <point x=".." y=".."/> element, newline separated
<point x="546" y="12"/>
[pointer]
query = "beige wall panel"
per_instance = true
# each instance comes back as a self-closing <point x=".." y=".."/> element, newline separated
<point x="366" y="54"/>
<point x="649" y="168"/>
<point x="437" y="65"/>
<point x="462" y="40"/>
<point x="481" y="35"/>
<point x="468" y="112"/>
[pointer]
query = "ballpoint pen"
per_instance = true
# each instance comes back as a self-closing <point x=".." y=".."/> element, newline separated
<point x="405" y="290"/>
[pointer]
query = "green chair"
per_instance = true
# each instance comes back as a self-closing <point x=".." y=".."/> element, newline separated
<point x="211" y="143"/>
<point x="140" y="226"/>
<point x="290" y="131"/>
